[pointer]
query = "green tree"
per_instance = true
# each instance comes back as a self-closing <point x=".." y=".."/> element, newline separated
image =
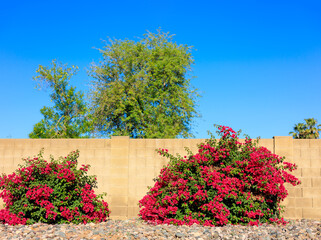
<point x="307" y="130"/>
<point x="142" y="89"/>
<point x="68" y="118"/>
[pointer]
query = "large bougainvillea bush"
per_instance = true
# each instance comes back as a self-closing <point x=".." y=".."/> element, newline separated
<point x="226" y="182"/>
<point x="51" y="192"/>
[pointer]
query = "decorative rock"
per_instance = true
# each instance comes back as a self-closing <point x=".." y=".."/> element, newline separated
<point x="179" y="235"/>
<point x="137" y="229"/>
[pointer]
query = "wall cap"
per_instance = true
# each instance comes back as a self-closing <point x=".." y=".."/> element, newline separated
<point x="274" y="137"/>
<point x="119" y="137"/>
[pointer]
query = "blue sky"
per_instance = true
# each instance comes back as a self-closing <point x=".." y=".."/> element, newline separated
<point x="257" y="63"/>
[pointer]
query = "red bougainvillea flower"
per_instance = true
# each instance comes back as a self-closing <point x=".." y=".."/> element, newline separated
<point x="51" y="192"/>
<point x="226" y="182"/>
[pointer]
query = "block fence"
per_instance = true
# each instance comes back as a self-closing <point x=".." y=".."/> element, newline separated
<point x="125" y="167"/>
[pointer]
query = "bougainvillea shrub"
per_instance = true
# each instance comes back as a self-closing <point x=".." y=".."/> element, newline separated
<point x="226" y="182"/>
<point x="51" y="192"/>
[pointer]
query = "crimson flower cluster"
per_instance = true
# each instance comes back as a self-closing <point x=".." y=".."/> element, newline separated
<point x="226" y="182"/>
<point x="51" y="192"/>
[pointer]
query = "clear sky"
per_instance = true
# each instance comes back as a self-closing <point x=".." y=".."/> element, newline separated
<point x="257" y="63"/>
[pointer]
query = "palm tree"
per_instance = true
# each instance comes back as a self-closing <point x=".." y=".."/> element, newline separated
<point x="307" y="130"/>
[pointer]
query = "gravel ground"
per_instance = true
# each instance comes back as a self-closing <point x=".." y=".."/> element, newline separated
<point x="137" y="229"/>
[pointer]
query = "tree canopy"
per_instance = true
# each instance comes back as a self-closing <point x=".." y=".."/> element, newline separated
<point x="68" y="117"/>
<point x="308" y="130"/>
<point x="142" y="89"/>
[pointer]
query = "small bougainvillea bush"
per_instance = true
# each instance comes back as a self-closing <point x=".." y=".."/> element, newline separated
<point x="51" y="192"/>
<point x="226" y="182"/>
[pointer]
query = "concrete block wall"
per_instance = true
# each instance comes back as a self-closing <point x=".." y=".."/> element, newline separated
<point x="303" y="201"/>
<point x="125" y="167"/>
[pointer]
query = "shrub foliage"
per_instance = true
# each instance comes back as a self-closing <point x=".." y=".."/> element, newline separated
<point x="51" y="192"/>
<point x="226" y="182"/>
